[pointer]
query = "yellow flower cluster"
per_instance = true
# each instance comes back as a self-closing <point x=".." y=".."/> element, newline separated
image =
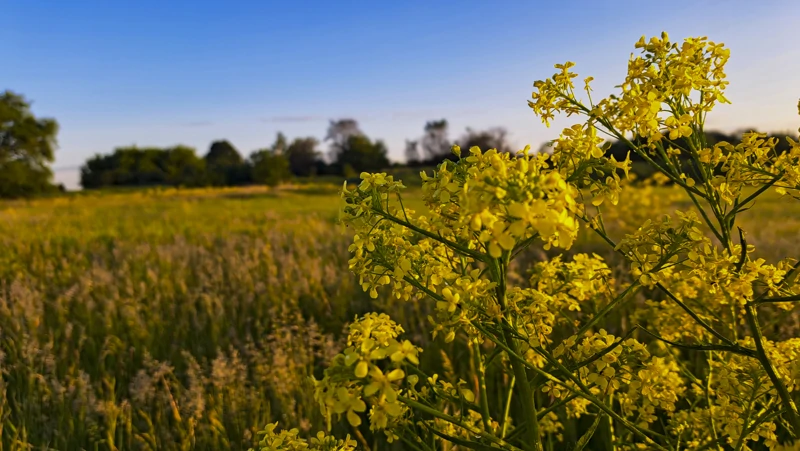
<point x="751" y="163"/>
<point x="556" y="287"/>
<point x="288" y="440"/>
<point x="490" y="201"/>
<point x="369" y="368"/>
<point x="579" y="156"/>
<point x="662" y="80"/>
<point x="623" y="367"/>
<point x="658" y="244"/>
<point x="740" y="397"/>
<point x="586" y="278"/>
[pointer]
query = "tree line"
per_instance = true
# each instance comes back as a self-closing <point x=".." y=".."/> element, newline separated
<point x="27" y="148"/>
<point x="350" y="152"/>
<point x="223" y="165"/>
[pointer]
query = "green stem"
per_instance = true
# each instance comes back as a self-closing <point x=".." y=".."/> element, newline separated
<point x="786" y="398"/>
<point x="793" y="298"/>
<point x="455" y="421"/>
<point x="735" y="349"/>
<point x="484" y="398"/>
<point x="555" y="406"/>
<point x="508" y="407"/>
<point x="584" y="393"/>
<point x="708" y="396"/>
<point x="738" y="206"/>
<point x="526" y="396"/>
<point x="694" y="315"/>
<point x="706" y="218"/>
<point x="740" y="442"/>
<point x="410" y="444"/>
<point x="611" y="305"/>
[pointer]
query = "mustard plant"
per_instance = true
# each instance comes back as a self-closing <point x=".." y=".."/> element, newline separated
<point x="695" y="372"/>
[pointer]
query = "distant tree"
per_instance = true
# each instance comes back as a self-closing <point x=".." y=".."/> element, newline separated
<point x="269" y="167"/>
<point x="412" y="153"/>
<point x="225" y="165"/>
<point x="339" y="134"/>
<point x="302" y="155"/>
<point x="435" y="143"/>
<point x="133" y="166"/>
<point x="352" y="151"/>
<point x="183" y="167"/>
<point x="27" y="146"/>
<point x="433" y="147"/>
<point x="341" y="130"/>
<point x="223" y="153"/>
<point x="321" y="167"/>
<point x="493" y="138"/>
<point x="361" y="154"/>
<point x="281" y="143"/>
<point x="99" y="171"/>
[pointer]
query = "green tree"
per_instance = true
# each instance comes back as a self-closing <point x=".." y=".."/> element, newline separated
<point x="222" y="153"/>
<point x="269" y="167"/>
<point x="361" y="154"/>
<point x="412" y="152"/>
<point x="183" y="167"/>
<point x="27" y="147"/>
<point x="352" y="150"/>
<point x="340" y="132"/>
<point x="302" y="155"/>
<point x="225" y="165"/>
<point x="132" y="166"/>
<point x="435" y="142"/>
<point x="280" y="144"/>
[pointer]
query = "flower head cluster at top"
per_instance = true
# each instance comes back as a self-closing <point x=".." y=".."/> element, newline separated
<point x="664" y="74"/>
<point x="660" y="112"/>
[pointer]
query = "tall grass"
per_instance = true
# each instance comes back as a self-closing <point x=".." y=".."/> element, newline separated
<point x="188" y="320"/>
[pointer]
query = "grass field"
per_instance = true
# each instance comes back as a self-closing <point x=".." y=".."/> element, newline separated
<point x="184" y="320"/>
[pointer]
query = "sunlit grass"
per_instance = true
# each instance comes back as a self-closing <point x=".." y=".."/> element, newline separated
<point x="180" y="319"/>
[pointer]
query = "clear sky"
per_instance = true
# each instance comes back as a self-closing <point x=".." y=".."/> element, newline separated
<point x="157" y="72"/>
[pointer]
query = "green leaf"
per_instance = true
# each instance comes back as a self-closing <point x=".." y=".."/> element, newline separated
<point x="584" y="440"/>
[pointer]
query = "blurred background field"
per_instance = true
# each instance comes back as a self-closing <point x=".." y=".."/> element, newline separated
<point x="189" y="319"/>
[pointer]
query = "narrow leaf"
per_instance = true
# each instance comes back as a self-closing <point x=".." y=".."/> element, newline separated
<point x="588" y="434"/>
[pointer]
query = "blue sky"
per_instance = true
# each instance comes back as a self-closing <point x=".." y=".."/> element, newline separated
<point x="169" y="72"/>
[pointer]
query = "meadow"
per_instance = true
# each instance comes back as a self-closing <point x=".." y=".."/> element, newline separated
<point x="190" y="319"/>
